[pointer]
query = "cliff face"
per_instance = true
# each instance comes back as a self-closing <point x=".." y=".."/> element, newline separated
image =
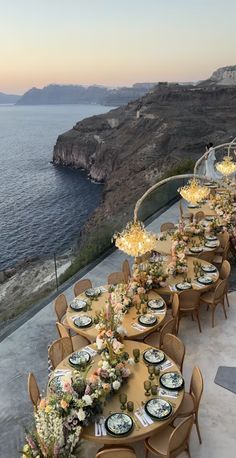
<point x="129" y="148"/>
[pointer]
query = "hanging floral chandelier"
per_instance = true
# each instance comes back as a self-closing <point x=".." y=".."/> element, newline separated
<point x="135" y="240"/>
<point x="194" y="192"/>
<point x="227" y="166"/>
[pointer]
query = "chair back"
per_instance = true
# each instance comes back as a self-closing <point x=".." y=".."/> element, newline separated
<point x="220" y="290"/>
<point x="174" y="348"/>
<point x="196" y="386"/>
<point x="115" y="278"/>
<point x="126" y="270"/>
<point x="170" y="327"/>
<point x="199" y="216"/>
<point x="225" y="252"/>
<point x="116" y="452"/>
<point x="60" y="306"/>
<point x="33" y="389"/>
<point x="224" y="239"/>
<point x="225" y="270"/>
<point x="175" y="306"/>
<point x="59" y="350"/>
<point x="81" y="286"/>
<point x="181" y="434"/>
<point x="167" y="227"/>
<point x="62" y="330"/>
<point x="207" y="256"/>
<point x="189" y="299"/>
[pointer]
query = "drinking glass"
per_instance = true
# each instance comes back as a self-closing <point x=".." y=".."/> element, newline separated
<point x="154" y="390"/>
<point x="157" y="371"/>
<point x="147" y="385"/>
<point x="151" y="370"/>
<point x="130" y="406"/>
<point x="123" y="400"/>
<point x="144" y="310"/>
<point x="138" y="307"/>
<point x="136" y="354"/>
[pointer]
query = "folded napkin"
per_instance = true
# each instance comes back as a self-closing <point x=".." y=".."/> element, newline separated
<point x="160" y="312"/>
<point x="103" y="290"/>
<point x="90" y="350"/>
<point x="173" y="288"/>
<point x="167" y="393"/>
<point x="166" y="365"/>
<point x="138" y="326"/>
<point x="62" y="372"/>
<point x="99" y="428"/>
<point x="143" y="417"/>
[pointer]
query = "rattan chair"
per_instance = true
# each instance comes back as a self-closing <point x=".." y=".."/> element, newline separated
<point x="199" y="216"/>
<point x="167" y="227"/>
<point x="81" y="286"/>
<point x="155" y="339"/>
<point x="115" y="278"/>
<point x="214" y="297"/>
<point x="175" y="349"/>
<point x="116" y="452"/>
<point x="170" y="442"/>
<point x="59" y="349"/>
<point x="220" y="258"/>
<point x="225" y="271"/>
<point x="191" y="401"/>
<point x="207" y="256"/>
<point x="175" y="306"/>
<point x="189" y="303"/>
<point x="60" y="306"/>
<point x="224" y="240"/>
<point x="126" y="270"/>
<point x="33" y="390"/>
<point x="78" y="341"/>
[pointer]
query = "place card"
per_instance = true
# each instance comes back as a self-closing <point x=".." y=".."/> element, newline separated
<point x="138" y="327"/>
<point x="166" y="365"/>
<point x="166" y="393"/>
<point x="90" y="350"/>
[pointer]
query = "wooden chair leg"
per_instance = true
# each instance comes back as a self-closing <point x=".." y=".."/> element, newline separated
<point x="198" y="429"/>
<point x="198" y="320"/>
<point x="223" y="305"/>
<point x="213" y="317"/>
<point x="188" y="450"/>
<point x="227" y="299"/>
<point x="147" y="452"/>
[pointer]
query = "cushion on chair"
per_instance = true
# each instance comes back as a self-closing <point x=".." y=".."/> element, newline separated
<point x="159" y="441"/>
<point x="187" y="406"/>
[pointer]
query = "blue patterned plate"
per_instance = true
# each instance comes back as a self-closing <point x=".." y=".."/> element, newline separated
<point x="172" y="381"/>
<point x="79" y="357"/>
<point x="154" y="356"/>
<point x="158" y="409"/>
<point x="119" y="424"/>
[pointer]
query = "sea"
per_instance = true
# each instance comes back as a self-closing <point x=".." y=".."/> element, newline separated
<point x="42" y="207"/>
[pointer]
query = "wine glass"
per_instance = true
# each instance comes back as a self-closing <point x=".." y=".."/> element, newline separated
<point x="144" y="310"/>
<point x="147" y="385"/>
<point x="136" y="354"/>
<point x="157" y="371"/>
<point x="123" y="400"/>
<point x="138" y="307"/>
<point x="151" y="370"/>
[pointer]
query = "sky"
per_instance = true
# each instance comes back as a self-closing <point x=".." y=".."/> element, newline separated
<point x="113" y="42"/>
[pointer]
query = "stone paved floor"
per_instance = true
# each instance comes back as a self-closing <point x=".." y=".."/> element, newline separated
<point x="26" y="350"/>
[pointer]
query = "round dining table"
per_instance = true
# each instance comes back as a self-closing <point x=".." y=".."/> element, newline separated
<point x="164" y="245"/>
<point x="134" y="388"/>
<point x="172" y="281"/>
<point x="134" y="329"/>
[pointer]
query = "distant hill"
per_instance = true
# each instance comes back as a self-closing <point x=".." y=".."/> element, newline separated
<point x="56" y="94"/>
<point x="224" y="76"/>
<point x="8" y="98"/>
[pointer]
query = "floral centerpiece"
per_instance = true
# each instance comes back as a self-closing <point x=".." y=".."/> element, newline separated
<point x="178" y="262"/>
<point x="76" y="399"/>
<point x="150" y="275"/>
<point x="193" y="229"/>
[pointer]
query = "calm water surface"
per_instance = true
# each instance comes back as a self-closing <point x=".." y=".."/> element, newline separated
<point x="42" y="207"/>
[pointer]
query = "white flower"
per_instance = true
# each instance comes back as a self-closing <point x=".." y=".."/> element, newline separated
<point x="122" y="331"/>
<point x="81" y="415"/>
<point x="105" y="365"/>
<point x="116" y="385"/>
<point x="131" y="361"/>
<point x="87" y="399"/>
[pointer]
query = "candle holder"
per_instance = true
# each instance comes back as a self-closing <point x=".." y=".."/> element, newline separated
<point x="154" y="390"/>
<point x="130" y="406"/>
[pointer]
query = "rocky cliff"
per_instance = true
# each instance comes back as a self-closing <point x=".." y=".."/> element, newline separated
<point x="131" y="147"/>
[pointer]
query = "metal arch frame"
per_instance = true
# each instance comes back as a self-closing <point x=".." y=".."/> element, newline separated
<point x="160" y="183"/>
<point x="190" y="175"/>
<point x="228" y="145"/>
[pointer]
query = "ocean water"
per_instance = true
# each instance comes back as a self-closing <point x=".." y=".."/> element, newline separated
<point x="42" y="207"/>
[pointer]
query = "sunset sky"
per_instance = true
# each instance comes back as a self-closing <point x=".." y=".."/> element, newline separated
<point x="113" y="42"/>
